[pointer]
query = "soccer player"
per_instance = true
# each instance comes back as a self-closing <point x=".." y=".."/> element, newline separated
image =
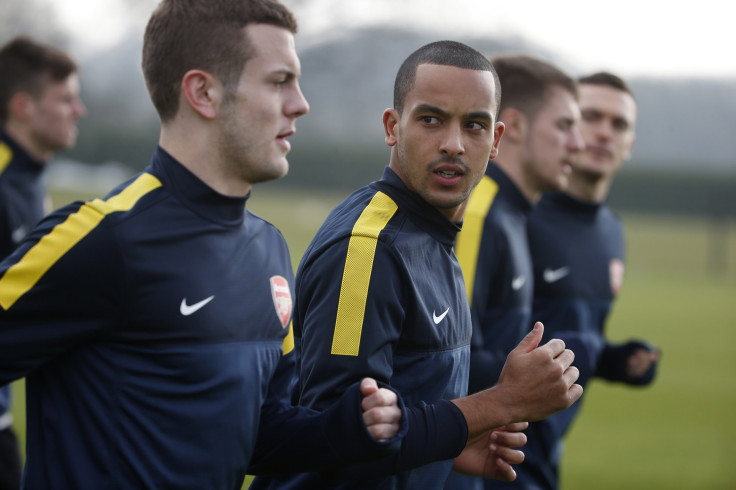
<point x="577" y="246"/>
<point x="540" y="112"/>
<point x="151" y="325"/>
<point x="380" y="292"/>
<point x="39" y="110"/>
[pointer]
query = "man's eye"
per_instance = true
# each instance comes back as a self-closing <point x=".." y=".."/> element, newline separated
<point x="564" y="125"/>
<point x="620" y="125"/>
<point x="429" y="119"/>
<point x="476" y="126"/>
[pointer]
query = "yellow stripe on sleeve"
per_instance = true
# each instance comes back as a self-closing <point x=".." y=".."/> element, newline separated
<point x="22" y="276"/>
<point x="357" y="274"/>
<point x="467" y="243"/>
<point x="6" y="155"/>
<point x="288" y="343"/>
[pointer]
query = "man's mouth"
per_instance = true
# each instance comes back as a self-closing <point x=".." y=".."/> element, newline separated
<point x="448" y="173"/>
<point x="599" y="151"/>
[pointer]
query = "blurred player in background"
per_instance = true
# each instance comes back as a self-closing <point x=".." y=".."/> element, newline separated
<point x="39" y="110"/>
<point x="540" y="112"/>
<point x="577" y="246"/>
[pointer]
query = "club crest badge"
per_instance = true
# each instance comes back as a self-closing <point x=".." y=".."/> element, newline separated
<point x="616" y="271"/>
<point x="281" y="294"/>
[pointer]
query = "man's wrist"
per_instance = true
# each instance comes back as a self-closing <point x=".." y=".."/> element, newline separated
<point x="483" y="412"/>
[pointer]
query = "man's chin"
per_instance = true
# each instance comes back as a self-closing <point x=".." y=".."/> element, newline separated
<point x="274" y="172"/>
<point x="596" y="165"/>
<point x="598" y="169"/>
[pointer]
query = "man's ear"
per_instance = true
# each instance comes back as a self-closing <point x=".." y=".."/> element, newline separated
<point x="391" y="126"/>
<point x="21" y="105"/>
<point x="498" y="132"/>
<point x="202" y="92"/>
<point x="515" y="122"/>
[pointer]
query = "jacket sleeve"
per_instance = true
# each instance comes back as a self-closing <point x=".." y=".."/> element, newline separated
<point x="612" y="363"/>
<point x="347" y="329"/>
<point x="492" y="337"/>
<point x="336" y="443"/>
<point x="436" y="432"/>
<point x="57" y="289"/>
<point x="302" y="439"/>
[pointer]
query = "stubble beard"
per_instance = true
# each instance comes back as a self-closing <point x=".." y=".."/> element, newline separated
<point x="247" y="160"/>
<point x="437" y="202"/>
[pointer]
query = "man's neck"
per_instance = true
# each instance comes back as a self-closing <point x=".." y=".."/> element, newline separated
<point x="514" y="171"/>
<point x="25" y="141"/>
<point x="190" y="147"/>
<point x="588" y="188"/>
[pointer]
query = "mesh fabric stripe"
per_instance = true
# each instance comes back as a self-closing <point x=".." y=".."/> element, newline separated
<point x="467" y="245"/>
<point x="22" y="276"/>
<point x="357" y="274"/>
<point x="288" y="344"/>
<point x="6" y="154"/>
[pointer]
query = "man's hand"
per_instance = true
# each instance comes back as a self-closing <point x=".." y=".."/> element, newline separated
<point x="640" y="361"/>
<point x="539" y="381"/>
<point x="534" y="383"/>
<point x="633" y="362"/>
<point x="490" y="454"/>
<point x="381" y="412"/>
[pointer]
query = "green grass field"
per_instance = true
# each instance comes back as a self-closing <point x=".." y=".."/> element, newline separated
<point x="678" y="293"/>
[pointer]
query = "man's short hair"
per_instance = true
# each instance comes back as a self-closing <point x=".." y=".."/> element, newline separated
<point x="525" y="81"/>
<point x="607" y="79"/>
<point x="448" y="53"/>
<point x="184" y="35"/>
<point x="26" y="65"/>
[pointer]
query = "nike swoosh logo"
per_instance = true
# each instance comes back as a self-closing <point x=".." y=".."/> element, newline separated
<point x="518" y="282"/>
<point x="438" y="319"/>
<point x="187" y="310"/>
<point x="554" y="275"/>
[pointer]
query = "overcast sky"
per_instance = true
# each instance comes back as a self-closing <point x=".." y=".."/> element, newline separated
<point x="632" y="38"/>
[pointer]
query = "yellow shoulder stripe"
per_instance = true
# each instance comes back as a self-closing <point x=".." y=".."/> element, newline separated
<point x="288" y="343"/>
<point x="23" y="275"/>
<point x="6" y="155"/>
<point x="357" y="274"/>
<point x="467" y="244"/>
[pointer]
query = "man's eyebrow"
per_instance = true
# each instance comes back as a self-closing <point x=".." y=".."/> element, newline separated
<point x="286" y="72"/>
<point x="620" y="120"/>
<point x="591" y="110"/>
<point x="475" y="115"/>
<point x="429" y="108"/>
<point x="480" y="115"/>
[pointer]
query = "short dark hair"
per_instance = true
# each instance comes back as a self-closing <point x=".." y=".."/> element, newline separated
<point x="182" y="35"/>
<point x="448" y="53"/>
<point x="26" y="65"/>
<point x="525" y="81"/>
<point x="607" y="79"/>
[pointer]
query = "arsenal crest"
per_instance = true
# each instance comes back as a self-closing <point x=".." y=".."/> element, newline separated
<point x="281" y="294"/>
